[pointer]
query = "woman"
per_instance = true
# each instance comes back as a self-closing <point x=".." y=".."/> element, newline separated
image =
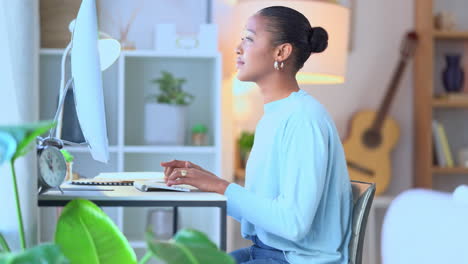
<point x="296" y="206"/>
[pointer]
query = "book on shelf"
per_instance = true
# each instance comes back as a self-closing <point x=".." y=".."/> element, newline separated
<point x="442" y="147"/>
<point x="460" y="96"/>
<point x="437" y="145"/>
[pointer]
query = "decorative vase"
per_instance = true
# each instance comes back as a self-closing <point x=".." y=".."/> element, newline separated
<point x="69" y="175"/>
<point x="245" y="157"/>
<point x="161" y="221"/>
<point x="453" y="74"/>
<point x="165" y="124"/>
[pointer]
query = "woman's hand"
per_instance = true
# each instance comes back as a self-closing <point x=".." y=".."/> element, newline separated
<point x="171" y="165"/>
<point x="185" y="172"/>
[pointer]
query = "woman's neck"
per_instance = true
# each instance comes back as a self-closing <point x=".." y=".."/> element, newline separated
<point x="277" y="87"/>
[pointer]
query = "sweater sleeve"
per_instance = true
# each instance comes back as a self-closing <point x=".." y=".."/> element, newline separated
<point x="304" y="160"/>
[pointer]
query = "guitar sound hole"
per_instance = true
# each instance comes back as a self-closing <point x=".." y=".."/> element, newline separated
<point x="372" y="139"/>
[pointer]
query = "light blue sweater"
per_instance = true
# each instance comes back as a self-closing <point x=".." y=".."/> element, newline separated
<point x="297" y="196"/>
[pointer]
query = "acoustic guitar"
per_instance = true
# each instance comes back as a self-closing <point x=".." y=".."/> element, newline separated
<point x="373" y="135"/>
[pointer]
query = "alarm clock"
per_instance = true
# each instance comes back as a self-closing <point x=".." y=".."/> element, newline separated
<point x="52" y="165"/>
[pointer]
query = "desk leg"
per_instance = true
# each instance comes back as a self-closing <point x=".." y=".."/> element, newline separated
<point x="223" y="227"/>
<point x="175" y="220"/>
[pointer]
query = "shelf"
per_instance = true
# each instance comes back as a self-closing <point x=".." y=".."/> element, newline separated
<point x="450" y="103"/>
<point x="51" y="51"/>
<point x="454" y="35"/>
<point x="170" y="149"/>
<point x="455" y="170"/>
<point x="86" y="149"/>
<point x="186" y="54"/>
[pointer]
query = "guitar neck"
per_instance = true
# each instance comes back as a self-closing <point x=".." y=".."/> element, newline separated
<point x="385" y="105"/>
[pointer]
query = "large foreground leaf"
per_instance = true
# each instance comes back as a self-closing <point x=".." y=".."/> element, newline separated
<point x="87" y="235"/>
<point x="46" y="253"/>
<point x="188" y="247"/>
<point x="26" y="134"/>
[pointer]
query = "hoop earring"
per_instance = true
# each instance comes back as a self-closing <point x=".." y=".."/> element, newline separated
<point x="275" y="65"/>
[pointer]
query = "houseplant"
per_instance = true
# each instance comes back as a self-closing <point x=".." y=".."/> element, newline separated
<point x="69" y="159"/>
<point x="85" y="234"/>
<point x="15" y="142"/>
<point x="165" y="112"/>
<point x="245" y="142"/>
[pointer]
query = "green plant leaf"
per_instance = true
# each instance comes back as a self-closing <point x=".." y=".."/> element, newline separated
<point x="246" y="141"/>
<point x="171" y="253"/>
<point x="188" y="246"/>
<point x="68" y="157"/>
<point x="192" y="237"/>
<point x="87" y="235"/>
<point x="25" y="134"/>
<point x="45" y="253"/>
<point x="171" y="90"/>
<point x="7" y="146"/>
<point x="199" y="128"/>
<point x="4" y="245"/>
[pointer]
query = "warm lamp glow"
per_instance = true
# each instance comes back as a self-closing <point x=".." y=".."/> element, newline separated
<point x="317" y="78"/>
<point x="328" y="67"/>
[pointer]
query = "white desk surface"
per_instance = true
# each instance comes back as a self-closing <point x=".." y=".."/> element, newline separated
<point x="125" y="193"/>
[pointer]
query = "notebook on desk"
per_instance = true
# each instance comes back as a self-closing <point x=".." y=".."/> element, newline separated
<point x="120" y="178"/>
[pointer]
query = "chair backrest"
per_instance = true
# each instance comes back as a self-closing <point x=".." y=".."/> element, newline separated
<point x="363" y="195"/>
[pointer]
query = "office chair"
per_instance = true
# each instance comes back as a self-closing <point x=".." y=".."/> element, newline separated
<point x="363" y="195"/>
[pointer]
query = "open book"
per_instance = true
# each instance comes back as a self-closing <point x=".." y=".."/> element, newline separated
<point x="143" y="181"/>
<point x="120" y="178"/>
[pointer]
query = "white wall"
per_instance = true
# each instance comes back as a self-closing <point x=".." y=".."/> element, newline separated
<point x="379" y="28"/>
<point x="114" y="15"/>
<point x="19" y="50"/>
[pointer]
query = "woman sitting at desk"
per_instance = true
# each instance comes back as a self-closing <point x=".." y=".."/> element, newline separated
<point x="297" y="201"/>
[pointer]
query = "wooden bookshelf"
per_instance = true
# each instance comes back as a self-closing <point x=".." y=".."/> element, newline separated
<point x="454" y="170"/>
<point x="454" y="35"/>
<point x="425" y="102"/>
<point x="423" y="94"/>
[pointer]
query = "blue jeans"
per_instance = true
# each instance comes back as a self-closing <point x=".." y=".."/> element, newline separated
<point x="258" y="253"/>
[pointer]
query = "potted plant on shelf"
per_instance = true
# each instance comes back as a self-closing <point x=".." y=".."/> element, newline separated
<point x="246" y="141"/>
<point x="69" y="159"/>
<point x="165" y="112"/>
<point x="199" y="135"/>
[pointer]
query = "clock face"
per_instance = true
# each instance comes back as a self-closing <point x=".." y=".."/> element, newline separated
<point x="52" y="166"/>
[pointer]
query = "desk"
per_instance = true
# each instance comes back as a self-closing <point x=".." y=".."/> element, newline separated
<point x="129" y="196"/>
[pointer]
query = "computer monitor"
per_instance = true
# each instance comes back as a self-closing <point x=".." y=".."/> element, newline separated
<point x="89" y="56"/>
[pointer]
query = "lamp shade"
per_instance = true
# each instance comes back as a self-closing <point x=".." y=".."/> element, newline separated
<point x="108" y="48"/>
<point x="109" y="52"/>
<point x="328" y="67"/>
<point x="86" y="73"/>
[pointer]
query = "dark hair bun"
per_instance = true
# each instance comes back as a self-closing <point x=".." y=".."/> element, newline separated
<point x="318" y="39"/>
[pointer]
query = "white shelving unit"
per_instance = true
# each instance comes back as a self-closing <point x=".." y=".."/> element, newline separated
<point x="126" y="83"/>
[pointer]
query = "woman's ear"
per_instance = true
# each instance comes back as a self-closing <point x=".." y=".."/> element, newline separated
<point x="283" y="52"/>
